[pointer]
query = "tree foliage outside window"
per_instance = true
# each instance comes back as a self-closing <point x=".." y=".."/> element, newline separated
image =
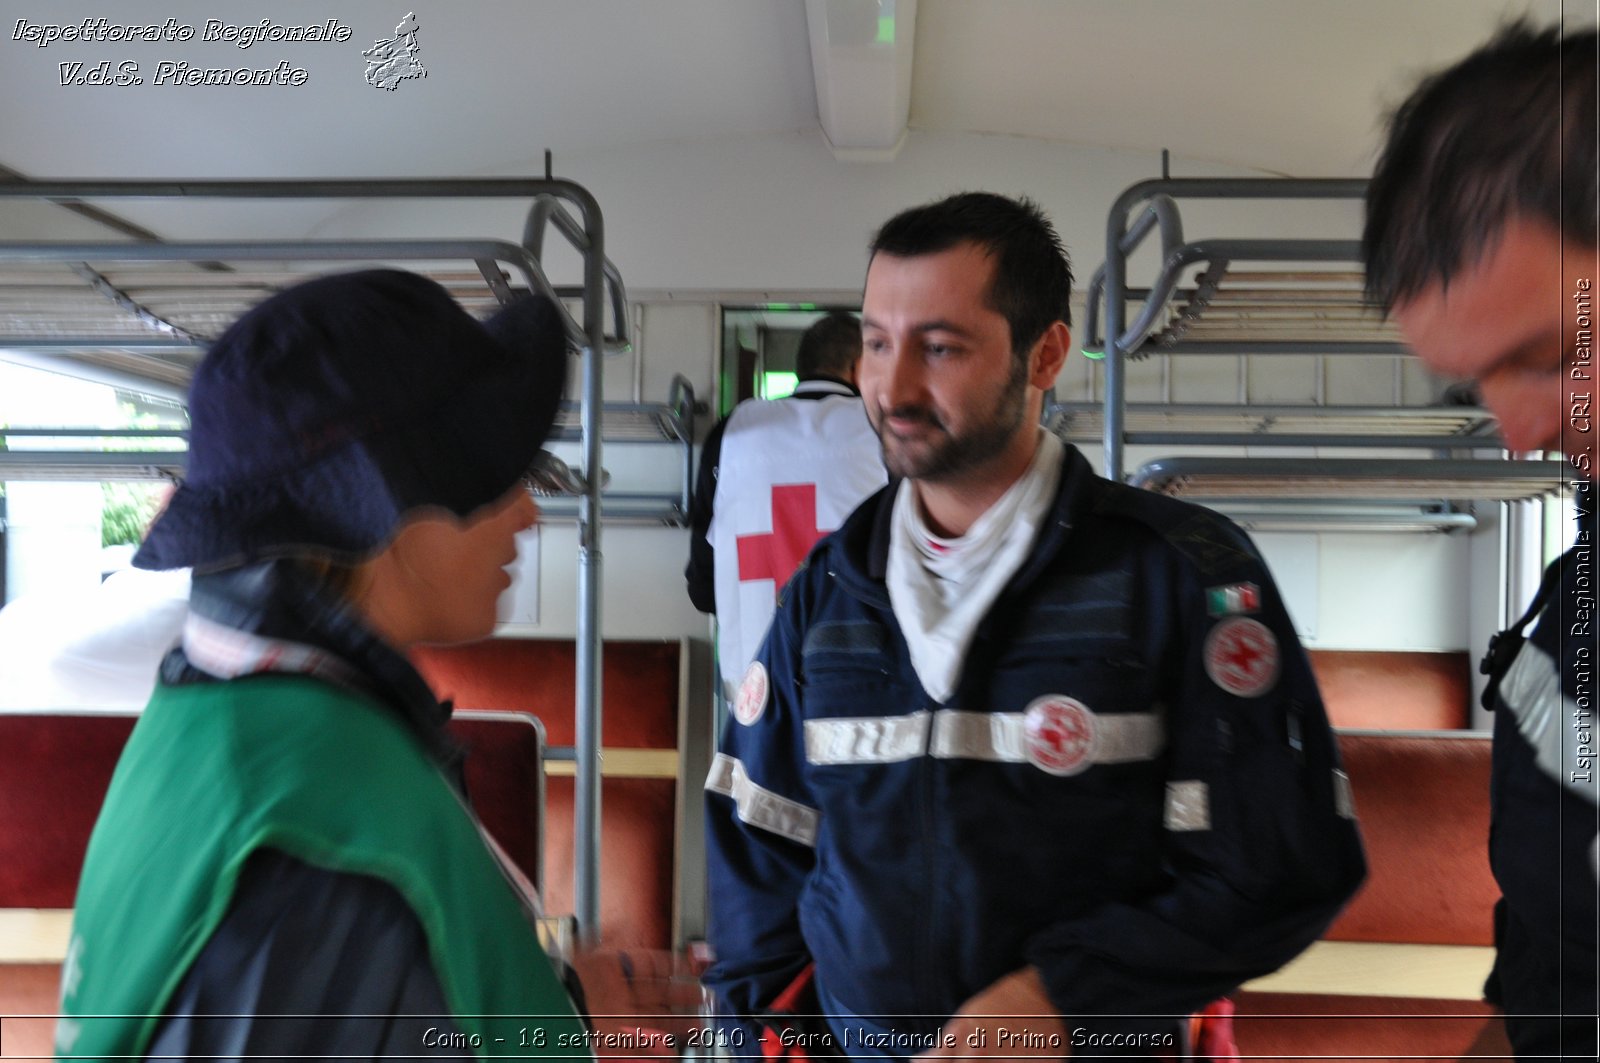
<point x="128" y="510"/>
<point x="130" y="506"/>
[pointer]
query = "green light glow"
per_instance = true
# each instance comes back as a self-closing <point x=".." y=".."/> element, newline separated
<point x="1093" y="356"/>
<point x="790" y="306"/>
<point x="885" y="29"/>
<point x="777" y="385"/>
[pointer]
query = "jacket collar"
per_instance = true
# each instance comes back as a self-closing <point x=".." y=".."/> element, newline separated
<point x="820" y="387"/>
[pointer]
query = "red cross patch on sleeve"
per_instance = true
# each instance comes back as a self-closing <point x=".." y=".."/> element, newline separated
<point x="1241" y="657"/>
<point x="752" y="699"/>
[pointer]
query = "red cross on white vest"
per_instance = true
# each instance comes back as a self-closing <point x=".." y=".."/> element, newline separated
<point x="777" y="554"/>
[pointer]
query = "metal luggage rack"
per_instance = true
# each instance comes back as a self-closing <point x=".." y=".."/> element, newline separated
<point x="140" y="316"/>
<point x="1246" y="297"/>
<point x="1363" y="479"/>
<point x="128" y="301"/>
<point x="1281" y="425"/>
<point x="126" y="454"/>
<point x="1352" y="494"/>
<point x="642" y="424"/>
<point x="1224" y="307"/>
<point x="137" y="312"/>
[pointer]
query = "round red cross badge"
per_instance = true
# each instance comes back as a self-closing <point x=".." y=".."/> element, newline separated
<point x="752" y="699"/>
<point x="1242" y="657"/>
<point x="1058" y="734"/>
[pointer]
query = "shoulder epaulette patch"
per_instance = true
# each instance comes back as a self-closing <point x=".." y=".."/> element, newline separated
<point x="1205" y="538"/>
<point x="855" y="637"/>
<point x="1210" y="544"/>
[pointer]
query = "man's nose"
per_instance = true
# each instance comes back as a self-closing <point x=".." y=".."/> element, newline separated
<point x="904" y="381"/>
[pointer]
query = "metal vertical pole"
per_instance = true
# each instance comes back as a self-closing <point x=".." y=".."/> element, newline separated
<point x="1116" y="321"/>
<point x="586" y="811"/>
<point x="589" y="238"/>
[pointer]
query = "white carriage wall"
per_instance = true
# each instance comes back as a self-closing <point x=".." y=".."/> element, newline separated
<point x="691" y="224"/>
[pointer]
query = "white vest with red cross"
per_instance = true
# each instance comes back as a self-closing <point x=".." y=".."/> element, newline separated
<point x="789" y="473"/>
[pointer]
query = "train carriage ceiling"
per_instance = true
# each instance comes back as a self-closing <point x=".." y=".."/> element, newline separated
<point x="1273" y="86"/>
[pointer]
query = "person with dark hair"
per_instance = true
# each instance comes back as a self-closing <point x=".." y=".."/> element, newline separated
<point x="1482" y="237"/>
<point x="830" y="348"/>
<point x="775" y="475"/>
<point x="285" y="864"/>
<point x="1030" y="763"/>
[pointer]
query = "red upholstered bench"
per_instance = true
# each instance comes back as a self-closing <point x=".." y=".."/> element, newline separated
<point x="1423" y="801"/>
<point x="54" y="771"/>
<point x="1396" y="690"/>
<point x="1370" y="1029"/>
<point x="55" y="768"/>
<point x="642" y="683"/>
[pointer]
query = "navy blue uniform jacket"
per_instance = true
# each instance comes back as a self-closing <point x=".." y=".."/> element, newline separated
<point x="1096" y="799"/>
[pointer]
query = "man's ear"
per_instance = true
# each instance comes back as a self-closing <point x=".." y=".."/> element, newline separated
<point x="1049" y="355"/>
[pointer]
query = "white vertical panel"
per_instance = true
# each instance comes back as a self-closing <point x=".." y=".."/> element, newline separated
<point x="1395" y="592"/>
<point x="677" y="338"/>
<point x="1360" y="380"/>
<point x="1283" y="378"/>
<point x="519" y="604"/>
<point x="1204" y="378"/>
<point x="643" y="596"/>
<point x="1144" y="380"/>
<point x="1294" y="561"/>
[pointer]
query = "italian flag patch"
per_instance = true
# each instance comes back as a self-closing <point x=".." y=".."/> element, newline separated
<point x="1233" y="599"/>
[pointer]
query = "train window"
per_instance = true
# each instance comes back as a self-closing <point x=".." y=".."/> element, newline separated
<point x="82" y="473"/>
<point x="777" y="385"/>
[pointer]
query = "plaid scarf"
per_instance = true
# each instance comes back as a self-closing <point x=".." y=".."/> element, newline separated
<point x="274" y="617"/>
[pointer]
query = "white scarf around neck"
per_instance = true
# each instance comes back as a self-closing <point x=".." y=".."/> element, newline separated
<point x="940" y="588"/>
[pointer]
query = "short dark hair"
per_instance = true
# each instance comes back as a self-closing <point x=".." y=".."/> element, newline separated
<point x="1508" y="131"/>
<point x="829" y="347"/>
<point x="1032" y="285"/>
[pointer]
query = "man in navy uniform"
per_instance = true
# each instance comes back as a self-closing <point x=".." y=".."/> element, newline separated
<point x="1481" y="242"/>
<point x="1020" y="741"/>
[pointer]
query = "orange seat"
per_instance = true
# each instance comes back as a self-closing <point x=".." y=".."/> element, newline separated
<point x="1395" y="689"/>
<point x="1423" y="803"/>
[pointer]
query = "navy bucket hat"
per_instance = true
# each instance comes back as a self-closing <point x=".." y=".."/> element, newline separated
<point x="334" y="408"/>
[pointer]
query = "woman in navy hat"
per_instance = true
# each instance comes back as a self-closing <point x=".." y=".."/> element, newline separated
<point x="285" y="864"/>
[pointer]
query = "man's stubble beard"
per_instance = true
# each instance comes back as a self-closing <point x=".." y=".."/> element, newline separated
<point x="957" y="455"/>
